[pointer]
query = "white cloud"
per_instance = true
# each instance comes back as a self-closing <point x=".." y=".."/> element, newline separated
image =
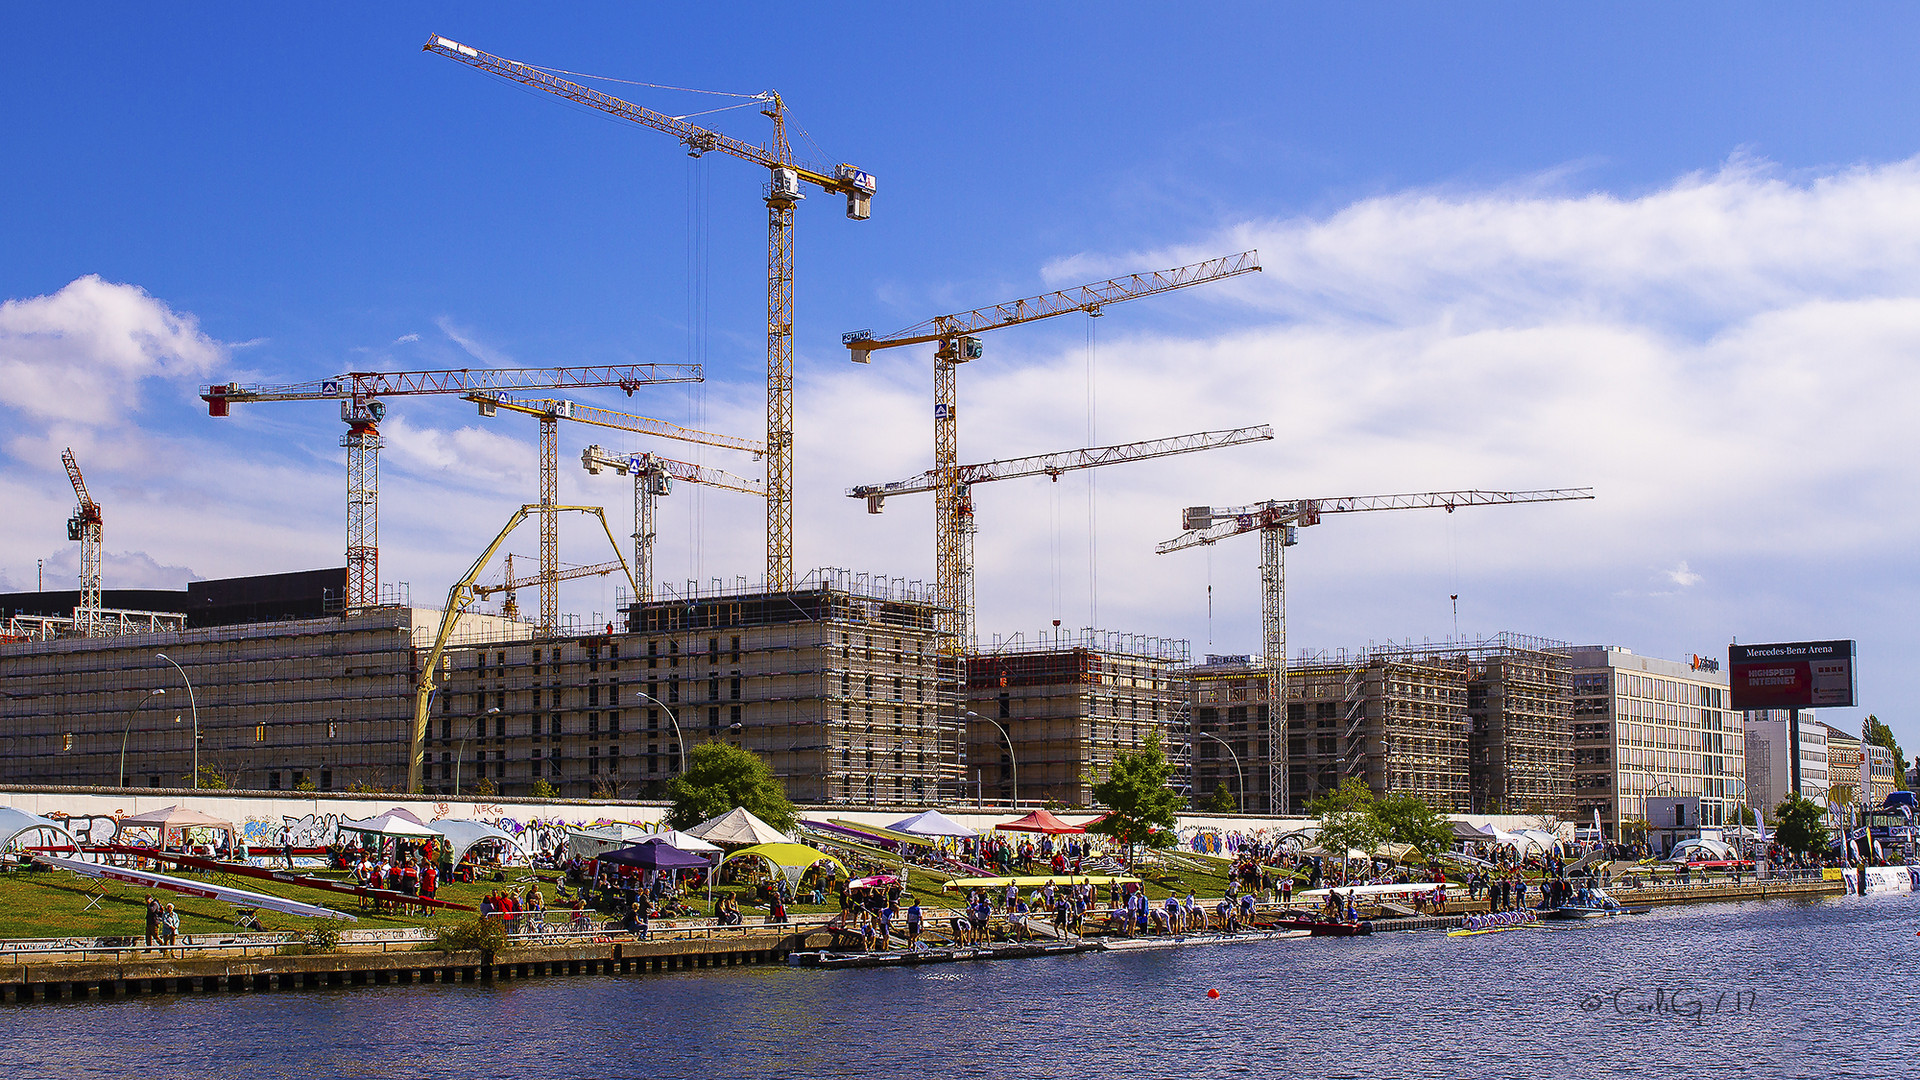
<point x="79" y="356"/>
<point x="1683" y="576"/>
<point x="1727" y="361"/>
<point x="473" y="346"/>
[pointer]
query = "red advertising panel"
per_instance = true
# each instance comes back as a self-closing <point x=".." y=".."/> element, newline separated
<point x="1792" y="675"/>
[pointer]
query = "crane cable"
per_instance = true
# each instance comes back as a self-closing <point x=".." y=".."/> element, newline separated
<point x="1093" y="548"/>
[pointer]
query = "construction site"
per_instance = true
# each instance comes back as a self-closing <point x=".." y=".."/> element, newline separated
<point x="856" y="689"/>
<point x="1470" y="727"/>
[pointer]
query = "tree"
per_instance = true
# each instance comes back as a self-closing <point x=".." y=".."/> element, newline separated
<point x="1408" y="819"/>
<point x="542" y="789"/>
<point x="1882" y="735"/>
<point x="1745" y="816"/>
<point x="1800" y="824"/>
<point x="1346" y="818"/>
<point x="485" y="789"/>
<point x="1139" y="797"/>
<point x="721" y="777"/>
<point x="1220" y="801"/>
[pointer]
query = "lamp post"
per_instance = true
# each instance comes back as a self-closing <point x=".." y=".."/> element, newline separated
<point x="1236" y="767"/>
<point x="194" y="707"/>
<point x="460" y="751"/>
<point x="673" y="720"/>
<point x="128" y="730"/>
<point x="1011" y="759"/>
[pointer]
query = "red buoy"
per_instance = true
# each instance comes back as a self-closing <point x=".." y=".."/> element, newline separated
<point x="1213" y="993"/>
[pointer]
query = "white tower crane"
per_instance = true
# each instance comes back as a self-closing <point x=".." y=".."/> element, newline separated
<point x="1278" y="524"/>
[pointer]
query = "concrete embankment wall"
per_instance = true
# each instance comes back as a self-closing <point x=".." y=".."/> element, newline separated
<point x="133" y="971"/>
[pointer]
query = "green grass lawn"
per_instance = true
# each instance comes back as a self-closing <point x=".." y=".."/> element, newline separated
<point x="53" y="904"/>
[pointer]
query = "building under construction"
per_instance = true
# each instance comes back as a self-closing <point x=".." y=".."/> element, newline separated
<point x="1477" y="727"/>
<point x="1049" y="716"/>
<point x="281" y="694"/>
<point x="837" y="684"/>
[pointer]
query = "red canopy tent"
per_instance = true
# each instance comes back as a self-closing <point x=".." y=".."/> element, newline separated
<point x="1041" y="821"/>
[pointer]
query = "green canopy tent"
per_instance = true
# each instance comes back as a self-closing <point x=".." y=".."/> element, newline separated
<point x="789" y="860"/>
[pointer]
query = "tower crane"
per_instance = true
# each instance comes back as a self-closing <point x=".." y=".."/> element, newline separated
<point x="1278" y="524"/>
<point x="550" y="412"/>
<point x="653" y="476"/>
<point x="957" y="345"/>
<point x="782" y="194"/>
<point x="509" y="584"/>
<point x="1051" y="465"/>
<point x="85" y="526"/>
<point x="359" y="394"/>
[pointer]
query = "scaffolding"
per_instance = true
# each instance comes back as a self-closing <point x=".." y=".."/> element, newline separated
<point x="1468" y="725"/>
<point x="307" y="701"/>
<point x="1050" y="713"/>
<point x="838" y="684"/>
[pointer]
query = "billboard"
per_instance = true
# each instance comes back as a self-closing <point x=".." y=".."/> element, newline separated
<point x="1792" y="675"/>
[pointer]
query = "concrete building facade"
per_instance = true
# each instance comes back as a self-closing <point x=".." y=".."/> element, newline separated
<point x="840" y="685"/>
<point x="1471" y="727"/>
<point x="1770" y="756"/>
<point x="1052" y="714"/>
<point x="1648" y="731"/>
<point x="326" y="702"/>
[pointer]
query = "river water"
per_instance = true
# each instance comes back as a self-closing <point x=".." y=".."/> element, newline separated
<point x="1816" y="989"/>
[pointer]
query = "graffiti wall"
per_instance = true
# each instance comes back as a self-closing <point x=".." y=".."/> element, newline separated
<point x="266" y="820"/>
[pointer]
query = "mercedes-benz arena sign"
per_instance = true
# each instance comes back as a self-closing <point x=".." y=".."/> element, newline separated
<point x="1792" y="675"/>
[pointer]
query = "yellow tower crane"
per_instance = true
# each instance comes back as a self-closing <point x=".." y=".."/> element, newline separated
<point x="1049" y="465"/>
<point x="360" y="395"/>
<point x="957" y="345"/>
<point x="782" y="194"/>
<point x="550" y="412"/>
<point x="1279" y="524"/>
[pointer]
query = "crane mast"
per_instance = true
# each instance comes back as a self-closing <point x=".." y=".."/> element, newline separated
<point x="550" y="412"/>
<point x="653" y="476"/>
<point x="1050" y="465"/>
<point x="955" y="346"/>
<point x="360" y="394"/>
<point x="1278" y="522"/>
<point x="85" y="527"/>
<point x="782" y="194"/>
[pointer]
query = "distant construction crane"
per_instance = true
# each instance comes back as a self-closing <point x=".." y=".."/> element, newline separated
<point x="509" y="584"/>
<point x="1278" y="524"/>
<point x="85" y="527"/>
<point x="359" y="394"/>
<point x="1051" y="465"/>
<point x="550" y="412"/>
<point x="781" y="195"/>
<point x="653" y="476"/>
<point x="957" y="345"/>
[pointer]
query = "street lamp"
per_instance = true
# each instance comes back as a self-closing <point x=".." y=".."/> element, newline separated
<point x="671" y="719"/>
<point x="1236" y="767"/>
<point x="128" y="730"/>
<point x="194" y="706"/>
<point x="1014" y="761"/>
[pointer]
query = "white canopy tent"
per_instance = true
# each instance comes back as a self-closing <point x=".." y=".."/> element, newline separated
<point x="176" y="819"/>
<point x="1687" y="850"/>
<point x="17" y="823"/>
<point x="463" y="836"/>
<point x="738" y="826"/>
<point x="931" y="823"/>
<point x="393" y="823"/>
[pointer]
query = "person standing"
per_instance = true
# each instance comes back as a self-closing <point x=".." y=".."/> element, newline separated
<point x="153" y="920"/>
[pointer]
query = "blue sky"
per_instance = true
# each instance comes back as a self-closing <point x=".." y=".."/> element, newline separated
<point x="1673" y="254"/>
